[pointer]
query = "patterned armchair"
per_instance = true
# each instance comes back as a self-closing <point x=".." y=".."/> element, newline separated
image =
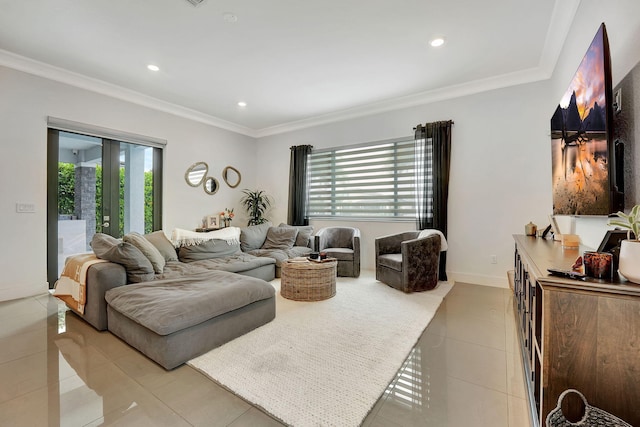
<point x="342" y="243"/>
<point x="408" y="263"/>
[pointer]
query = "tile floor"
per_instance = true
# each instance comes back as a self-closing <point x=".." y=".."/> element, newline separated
<point x="57" y="370"/>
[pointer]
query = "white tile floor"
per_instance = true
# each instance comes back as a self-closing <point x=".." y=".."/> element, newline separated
<point x="57" y="370"/>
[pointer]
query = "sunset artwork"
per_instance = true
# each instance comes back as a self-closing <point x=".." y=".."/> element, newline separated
<point x="579" y="144"/>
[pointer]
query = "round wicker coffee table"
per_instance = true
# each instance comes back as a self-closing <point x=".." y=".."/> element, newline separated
<point x="309" y="280"/>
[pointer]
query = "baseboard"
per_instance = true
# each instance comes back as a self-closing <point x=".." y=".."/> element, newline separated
<point x="23" y="291"/>
<point x="478" y="279"/>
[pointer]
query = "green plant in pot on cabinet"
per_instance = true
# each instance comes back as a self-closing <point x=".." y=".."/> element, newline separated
<point x="256" y="203"/>
<point x="629" y="265"/>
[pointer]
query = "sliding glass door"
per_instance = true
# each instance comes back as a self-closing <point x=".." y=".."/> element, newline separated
<point x="98" y="185"/>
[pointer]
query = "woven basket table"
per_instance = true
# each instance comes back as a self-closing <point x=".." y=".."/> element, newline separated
<point x="308" y="281"/>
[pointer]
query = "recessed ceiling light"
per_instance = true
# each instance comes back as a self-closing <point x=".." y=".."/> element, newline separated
<point x="153" y="67"/>
<point x="242" y="104"/>
<point x="230" y="17"/>
<point x="437" y="42"/>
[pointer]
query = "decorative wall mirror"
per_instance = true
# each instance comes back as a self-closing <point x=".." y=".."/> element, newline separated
<point x="211" y="185"/>
<point x="231" y="176"/>
<point x="196" y="173"/>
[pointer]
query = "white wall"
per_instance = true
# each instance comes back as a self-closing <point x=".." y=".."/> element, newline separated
<point x="500" y="171"/>
<point x="25" y="103"/>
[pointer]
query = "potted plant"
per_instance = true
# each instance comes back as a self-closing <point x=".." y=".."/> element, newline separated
<point x="629" y="264"/>
<point x="256" y="203"/>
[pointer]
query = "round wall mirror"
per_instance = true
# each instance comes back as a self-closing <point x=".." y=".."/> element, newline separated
<point x="196" y="173"/>
<point x="231" y="176"/>
<point x="211" y="185"/>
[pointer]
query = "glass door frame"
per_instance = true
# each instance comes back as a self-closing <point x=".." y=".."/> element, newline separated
<point x="110" y="199"/>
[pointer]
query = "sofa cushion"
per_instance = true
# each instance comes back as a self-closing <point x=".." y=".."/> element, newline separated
<point x="150" y="251"/>
<point x="138" y="266"/>
<point x="164" y="245"/>
<point x="341" y="254"/>
<point x="238" y="263"/>
<point x="304" y="233"/>
<point x="253" y="237"/>
<point x="215" y="248"/>
<point x="168" y="306"/>
<point x="393" y="261"/>
<point x="280" y="238"/>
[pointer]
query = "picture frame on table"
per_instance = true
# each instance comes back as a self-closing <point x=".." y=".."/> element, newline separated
<point x="213" y="222"/>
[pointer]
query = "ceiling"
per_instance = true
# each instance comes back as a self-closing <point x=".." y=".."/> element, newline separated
<point x="295" y="63"/>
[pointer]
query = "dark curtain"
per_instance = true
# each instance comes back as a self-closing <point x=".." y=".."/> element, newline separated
<point x="297" y="213"/>
<point x="433" y="159"/>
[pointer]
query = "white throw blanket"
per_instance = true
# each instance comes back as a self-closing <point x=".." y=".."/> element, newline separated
<point x="181" y="237"/>
<point x="431" y="232"/>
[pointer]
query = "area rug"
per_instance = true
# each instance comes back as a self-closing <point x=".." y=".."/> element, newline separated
<point x="325" y="363"/>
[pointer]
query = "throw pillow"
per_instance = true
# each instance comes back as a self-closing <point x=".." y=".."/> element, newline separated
<point x="253" y="237"/>
<point x="215" y="248"/>
<point x="163" y="245"/>
<point x="150" y="251"/>
<point x="304" y="233"/>
<point x="138" y="266"/>
<point x="280" y="238"/>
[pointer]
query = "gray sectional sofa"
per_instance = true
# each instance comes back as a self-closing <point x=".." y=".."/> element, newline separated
<point x="173" y="305"/>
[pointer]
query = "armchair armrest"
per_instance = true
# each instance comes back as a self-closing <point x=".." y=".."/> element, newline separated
<point x="422" y="248"/>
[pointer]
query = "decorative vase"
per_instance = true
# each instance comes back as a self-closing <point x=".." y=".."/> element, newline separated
<point x="629" y="264"/>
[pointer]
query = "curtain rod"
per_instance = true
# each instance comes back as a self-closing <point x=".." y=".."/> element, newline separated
<point x="442" y="121"/>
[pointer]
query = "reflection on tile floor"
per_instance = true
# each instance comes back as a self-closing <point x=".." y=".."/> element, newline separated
<point x="57" y="370"/>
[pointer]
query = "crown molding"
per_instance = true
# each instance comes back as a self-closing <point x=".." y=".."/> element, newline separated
<point x="41" y="69"/>
<point x="422" y="98"/>
<point x="562" y="17"/>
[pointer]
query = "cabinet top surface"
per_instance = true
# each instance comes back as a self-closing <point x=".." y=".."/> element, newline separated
<point x="542" y="254"/>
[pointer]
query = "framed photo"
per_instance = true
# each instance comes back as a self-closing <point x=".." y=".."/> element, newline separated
<point x="213" y="221"/>
<point x="612" y="239"/>
<point x="611" y="243"/>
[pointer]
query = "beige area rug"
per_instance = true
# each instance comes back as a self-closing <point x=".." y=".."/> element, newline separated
<point x="325" y="363"/>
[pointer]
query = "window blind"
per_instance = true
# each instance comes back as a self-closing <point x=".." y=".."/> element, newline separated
<point x="368" y="181"/>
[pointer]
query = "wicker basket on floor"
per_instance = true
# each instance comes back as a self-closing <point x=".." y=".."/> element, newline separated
<point x="593" y="417"/>
<point x="308" y="281"/>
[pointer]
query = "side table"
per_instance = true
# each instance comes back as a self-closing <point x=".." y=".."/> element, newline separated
<point x="308" y="280"/>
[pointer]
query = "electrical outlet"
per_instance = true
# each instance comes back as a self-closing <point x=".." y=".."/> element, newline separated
<point x="25" y="207"/>
<point x="494" y="259"/>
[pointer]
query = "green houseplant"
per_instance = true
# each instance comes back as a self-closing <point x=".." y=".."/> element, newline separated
<point x="629" y="263"/>
<point x="256" y="203"/>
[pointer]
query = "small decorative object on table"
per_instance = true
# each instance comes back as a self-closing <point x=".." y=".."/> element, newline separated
<point x="628" y="264"/>
<point x="598" y="265"/>
<point x="530" y="229"/>
<point x="211" y="223"/>
<point x="227" y="216"/>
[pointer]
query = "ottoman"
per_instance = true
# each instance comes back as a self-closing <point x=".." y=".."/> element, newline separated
<point x="172" y="321"/>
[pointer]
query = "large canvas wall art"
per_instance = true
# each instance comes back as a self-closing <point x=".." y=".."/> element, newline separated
<point x="580" y="141"/>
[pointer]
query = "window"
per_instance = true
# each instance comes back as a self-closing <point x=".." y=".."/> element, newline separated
<point x="372" y="181"/>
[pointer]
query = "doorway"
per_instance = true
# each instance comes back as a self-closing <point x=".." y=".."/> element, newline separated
<point x="98" y="185"/>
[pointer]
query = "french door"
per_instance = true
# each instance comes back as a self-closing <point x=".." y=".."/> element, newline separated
<point x="98" y="185"/>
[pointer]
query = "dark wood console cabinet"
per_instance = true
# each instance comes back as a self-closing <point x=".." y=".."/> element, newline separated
<point x="575" y="334"/>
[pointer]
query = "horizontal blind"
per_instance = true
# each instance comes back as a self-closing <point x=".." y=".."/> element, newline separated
<point x="373" y="181"/>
